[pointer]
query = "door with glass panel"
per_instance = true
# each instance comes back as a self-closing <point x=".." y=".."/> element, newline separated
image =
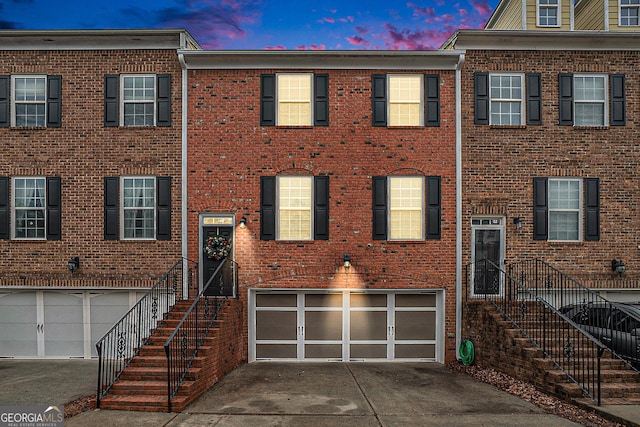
<point x="487" y="255"/>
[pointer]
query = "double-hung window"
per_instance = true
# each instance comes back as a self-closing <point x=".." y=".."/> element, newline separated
<point x="564" y="209"/>
<point x="590" y="96"/>
<point x="137" y="100"/>
<point x="294" y="207"/>
<point x="294" y="99"/>
<point x="406" y="100"/>
<point x="592" y="100"/>
<point x="406" y="207"/>
<point x="138" y="207"/>
<point x="30" y="100"/>
<point x="629" y="13"/>
<point x="548" y="13"/>
<point x="506" y="99"/>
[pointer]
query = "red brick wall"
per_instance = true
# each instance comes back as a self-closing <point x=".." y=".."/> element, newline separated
<point x="229" y="151"/>
<point x="499" y="165"/>
<point x="82" y="152"/>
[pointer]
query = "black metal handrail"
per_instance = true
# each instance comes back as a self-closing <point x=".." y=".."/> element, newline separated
<point x="181" y="348"/>
<point x="571" y="349"/>
<point x="124" y="340"/>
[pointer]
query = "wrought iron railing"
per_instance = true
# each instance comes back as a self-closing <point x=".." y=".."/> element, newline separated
<point x="518" y="297"/>
<point x="124" y="340"/>
<point x="183" y="344"/>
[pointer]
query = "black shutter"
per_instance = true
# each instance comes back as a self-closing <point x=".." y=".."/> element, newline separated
<point x="434" y="207"/>
<point x="111" y="101"/>
<point x="321" y="100"/>
<point x="4" y="207"/>
<point x="54" y="101"/>
<point x="565" y="101"/>
<point x="379" y="187"/>
<point x="618" y="100"/>
<point x="267" y="208"/>
<point x="432" y="100"/>
<point x="54" y="208"/>
<point x="540" y="206"/>
<point x="268" y="100"/>
<point x="534" y="98"/>
<point x="481" y="98"/>
<point x="379" y="99"/>
<point x="111" y="208"/>
<point x="321" y="208"/>
<point x="592" y="208"/>
<point x="163" y="207"/>
<point x="163" y="100"/>
<point x="4" y="102"/>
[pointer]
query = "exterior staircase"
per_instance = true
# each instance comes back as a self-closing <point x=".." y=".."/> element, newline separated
<point x="143" y="385"/>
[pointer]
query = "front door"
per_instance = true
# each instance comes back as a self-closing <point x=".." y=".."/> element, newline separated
<point x="209" y="227"/>
<point x="487" y="244"/>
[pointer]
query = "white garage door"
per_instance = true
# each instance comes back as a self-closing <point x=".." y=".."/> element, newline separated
<point x="58" y="324"/>
<point x="345" y="325"/>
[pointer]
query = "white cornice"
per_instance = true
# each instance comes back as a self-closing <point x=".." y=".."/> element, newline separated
<point x="134" y="39"/>
<point x="321" y="59"/>
<point x="545" y="40"/>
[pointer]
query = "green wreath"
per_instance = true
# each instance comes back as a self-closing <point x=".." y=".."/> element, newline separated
<point x="217" y="247"/>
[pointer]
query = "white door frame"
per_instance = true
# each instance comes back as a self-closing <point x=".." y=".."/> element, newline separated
<point x="487" y="222"/>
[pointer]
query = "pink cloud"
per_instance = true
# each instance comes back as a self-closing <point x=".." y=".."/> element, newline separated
<point x="483" y="8"/>
<point x="362" y="30"/>
<point x="421" y="11"/>
<point x="419" y="39"/>
<point x="329" y="20"/>
<point x="358" y="41"/>
<point x="279" y="47"/>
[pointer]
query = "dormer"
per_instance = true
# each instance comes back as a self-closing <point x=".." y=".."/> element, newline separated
<point x="607" y="15"/>
<point x="542" y="15"/>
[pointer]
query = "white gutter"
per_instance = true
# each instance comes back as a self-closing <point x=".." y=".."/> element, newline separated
<point x="183" y="210"/>
<point x="459" y="288"/>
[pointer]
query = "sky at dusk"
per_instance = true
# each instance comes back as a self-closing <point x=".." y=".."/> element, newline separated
<point x="265" y="24"/>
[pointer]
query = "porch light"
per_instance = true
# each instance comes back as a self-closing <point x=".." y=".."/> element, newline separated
<point x="243" y="222"/>
<point x="73" y="264"/>
<point x="347" y="263"/>
<point x="518" y="222"/>
<point x="618" y="266"/>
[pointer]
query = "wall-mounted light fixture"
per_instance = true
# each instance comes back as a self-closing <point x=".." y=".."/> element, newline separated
<point x="347" y="262"/>
<point x="618" y="266"/>
<point x="73" y="264"/>
<point x="518" y="222"/>
<point x="243" y="222"/>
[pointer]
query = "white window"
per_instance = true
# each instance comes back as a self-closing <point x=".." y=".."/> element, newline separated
<point x="405" y="100"/>
<point x="506" y="99"/>
<point x="406" y="208"/>
<point x="138" y="207"/>
<point x="564" y="209"/>
<point x="548" y="13"/>
<point x="139" y="100"/>
<point x="294" y="99"/>
<point x="295" y="207"/>
<point x="29" y="208"/>
<point x="29" y="100"/>
<point x="590" y="98"/>
<point x="629" y="13"/>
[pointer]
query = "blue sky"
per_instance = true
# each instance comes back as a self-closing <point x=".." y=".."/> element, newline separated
<point x="265" y="24"/>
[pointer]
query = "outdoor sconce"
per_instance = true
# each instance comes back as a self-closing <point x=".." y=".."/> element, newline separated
<point x="73" y="264"/>
<point x="243" y="222"/>
<point x="618" y="266"/>
<point x="347" y="263"/>
<point x="518" y="222"/>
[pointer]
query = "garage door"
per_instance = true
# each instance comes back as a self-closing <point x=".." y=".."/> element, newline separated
<point x="345" y="325"/>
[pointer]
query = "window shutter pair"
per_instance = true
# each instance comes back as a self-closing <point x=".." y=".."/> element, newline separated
<point x="268" y="100"/>
<point x="433" y="215"/>
<point x="617" y="93"/>
<point x="591" y="209"/>
<point x="431" y="99"/>
<point x="53" y="209"/>
<point x="112" y="100"/>
<point x="268" y="206"/>
<point x="533" y="83"/>
<point x="112" y="208"/>
<point x="54" y="101"/>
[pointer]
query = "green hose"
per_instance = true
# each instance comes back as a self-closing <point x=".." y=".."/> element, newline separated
<point x="466" y="352"/>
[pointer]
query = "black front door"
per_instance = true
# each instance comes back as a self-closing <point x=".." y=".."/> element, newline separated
<point x="209" y="265"/>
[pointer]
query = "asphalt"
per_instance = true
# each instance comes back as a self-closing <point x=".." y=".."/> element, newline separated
<point x="298" y="394"/>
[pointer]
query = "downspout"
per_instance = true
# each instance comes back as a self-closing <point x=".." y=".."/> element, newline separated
<point x="183" y="210"/>
<point x="459" y="288"/>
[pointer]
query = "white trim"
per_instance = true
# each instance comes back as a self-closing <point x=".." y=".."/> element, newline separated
<point x="630" y="6"/>
<point x="509" y="100"/>
<point x="580" y="209"/>
<point x="122" y="207"/>
<point x="14" y="101"/>
<point x="459" y="289"/>
<point x="420" y="100"/>
<point x="123" y="102"/>
<point x="549" y="6"/>
<point x="184" y="231"/>
<point x="605" y="102"/>
<point x="310" y="99"/>
<point x="13" y="215"/>
<point x="523" y="12"/>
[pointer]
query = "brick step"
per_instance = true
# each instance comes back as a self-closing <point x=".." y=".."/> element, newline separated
<point x="616" y="364"/>
<point x="147" y="361"/>
<point x="137" y="373"/>
<point x="609" y="376"/>
<point x="607" y="391"/>
<point x="143" y="403"/>
<point x="151" y="388"/>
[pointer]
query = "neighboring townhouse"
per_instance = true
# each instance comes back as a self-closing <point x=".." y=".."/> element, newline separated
<point x="90" y="181"/>
<point x="333" y="174"/>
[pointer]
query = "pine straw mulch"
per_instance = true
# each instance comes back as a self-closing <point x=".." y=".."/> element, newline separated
<point x="79" y="406"/>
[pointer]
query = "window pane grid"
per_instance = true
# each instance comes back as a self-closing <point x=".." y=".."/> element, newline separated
<point x="405" y="100"/>
<point x="138" y="200"/>
<point x="138" y="96"/>
<point x="590" y="100"/>
<point x="506" y="99"/>
<point x="406" y="208"/>
<point x="629" y="12"/>
<point x="294" y="99"/>
<point x="564" y="209"/>
<point x="294" y="208"/>
<point x="29" y="208"/>
<point x="548" y="13"/>
<point x="29" y="100"/>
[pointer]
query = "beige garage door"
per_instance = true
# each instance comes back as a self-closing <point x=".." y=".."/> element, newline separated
<point x="344" y="325"/>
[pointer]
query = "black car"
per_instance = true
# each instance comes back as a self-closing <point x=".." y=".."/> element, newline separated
<point x="615" y="324"/>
